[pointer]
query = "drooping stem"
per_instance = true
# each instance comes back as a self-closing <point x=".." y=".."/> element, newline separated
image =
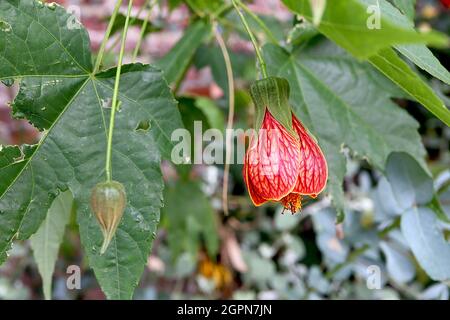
<point x="261" y="61"/>
<point x="114" y="106"/>
<point x="143" y="29"/>
<point x="107" y="35"/>
<point x="228" y="136"/>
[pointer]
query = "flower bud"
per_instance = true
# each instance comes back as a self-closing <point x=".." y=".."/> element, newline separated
<point x="108" y="201"/>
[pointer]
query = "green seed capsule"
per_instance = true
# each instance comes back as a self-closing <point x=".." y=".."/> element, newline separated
<point x="108" y="201"/>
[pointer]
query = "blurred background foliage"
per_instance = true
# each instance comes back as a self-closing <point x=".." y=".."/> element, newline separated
<point x="393" y="220"/>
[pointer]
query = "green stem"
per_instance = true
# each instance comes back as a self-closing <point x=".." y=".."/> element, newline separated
<point x="108" y="166"/>
<point x="143" y="28"/>
<point x="230" y="25"/>
<point x="107" y="35"/>
<point x="262" y="63"/>
<point x="132" y="20"/>
<point x="221" y="11"/>
<point x="261" y="23"/>
<point x="228" y="142"/>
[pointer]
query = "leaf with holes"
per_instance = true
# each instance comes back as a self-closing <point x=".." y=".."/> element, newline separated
<point x="49" y="55"/>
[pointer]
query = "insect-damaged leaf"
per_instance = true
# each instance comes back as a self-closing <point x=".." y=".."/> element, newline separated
<point x="50" y="55"/>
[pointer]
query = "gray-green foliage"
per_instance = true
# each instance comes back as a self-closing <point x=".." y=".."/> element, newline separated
<point x="413" y="190"/>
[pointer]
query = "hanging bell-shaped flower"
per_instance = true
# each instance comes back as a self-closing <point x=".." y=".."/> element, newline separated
<point x="283" y="161"/>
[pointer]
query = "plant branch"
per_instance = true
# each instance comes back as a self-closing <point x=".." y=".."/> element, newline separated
<point x="115" y="95"/>
<point x="262" y="63"/>
<point x="228" y="141"/>
<point x="107" y="35"/>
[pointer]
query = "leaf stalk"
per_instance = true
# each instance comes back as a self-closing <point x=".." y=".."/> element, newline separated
<point x="114" y="106"/>
<point x="143" y="28"/>
<point x="101" y="52"/>
<point x="228" y="142"/>
<point x="261" y="61"/>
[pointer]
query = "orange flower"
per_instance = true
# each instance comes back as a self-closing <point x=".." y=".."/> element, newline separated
<point x="283" y="161"/>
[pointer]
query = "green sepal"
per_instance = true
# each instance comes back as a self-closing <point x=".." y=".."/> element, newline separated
<point x="272" y="93"/>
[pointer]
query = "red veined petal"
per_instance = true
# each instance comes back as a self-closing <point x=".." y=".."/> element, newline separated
<point x="272" y="161"/>
<point x="256" y="199"/>
<point x="313" y="174"/>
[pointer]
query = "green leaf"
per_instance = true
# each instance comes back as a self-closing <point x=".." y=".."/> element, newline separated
<point x="46" y="241"/>
<point x="174" y="3"/>
<point x="411" y="184"/>
<point x="211" y="56"/>
<point x="176" y="62"/>
<point x="407" y="7"/>
<point x="59" y="93"/>
<point x="422" y="232"/>
<point x="393" y="67"/>
<point x="191" y="113"/>
<point x="190" y="220"/>
<point x="212" y="112"/>
<point x="419" y="54"/>
<point x="344" y="103"/>
<point x="422" y="57"/>
<point x="347" y="23"/>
